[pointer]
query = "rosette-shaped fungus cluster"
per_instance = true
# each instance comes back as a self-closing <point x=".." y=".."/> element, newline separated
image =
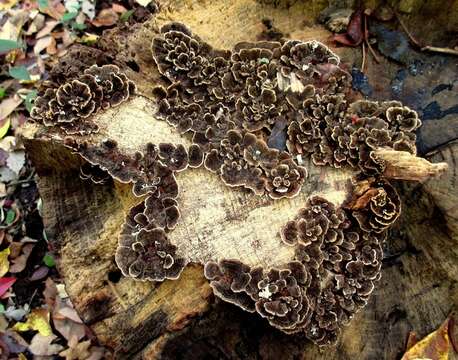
<point x="336" y="264"/>
<point x="222" y="98"/>
<point x="335" y="133"/>
<point x="71" y="104"/>
<point x="252" y="114"/>
<point x="144" y="251"/>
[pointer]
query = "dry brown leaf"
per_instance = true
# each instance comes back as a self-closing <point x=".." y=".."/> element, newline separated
<point x="435" y="346"/>
<point x="50" y="293"/>
<point x="42" y="44"/>
<point x="79" y="351"/>
<point x="42" y="345"/>
<point x="37" y="24"/>
<point x="67" y="321"/>
<point x="7" y="106"/>
<point x="49" y="26"/>
<point x="118" y="8"/>
<point x="7" y="4"/>
<point x="106" y="17"/>
<point x="52" y="49"/>
<point x="13" y="26"/>
<point x="55" y="9"/>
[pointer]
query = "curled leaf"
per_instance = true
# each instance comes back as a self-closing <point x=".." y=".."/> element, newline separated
<point x="435" y="346"/>
<point x="37" y="320"/>
<point x="4" y="263"/>
<point x="5" y="284"/>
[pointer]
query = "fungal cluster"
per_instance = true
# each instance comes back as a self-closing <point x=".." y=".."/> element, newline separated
<point x="253" y="114"/>
<point x="70" y="106"/>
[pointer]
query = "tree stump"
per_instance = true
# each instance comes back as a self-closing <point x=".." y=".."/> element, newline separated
<point x="182" y="318"/>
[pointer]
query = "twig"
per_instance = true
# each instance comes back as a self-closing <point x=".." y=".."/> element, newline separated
<point x="366" y="40"/>
<point x="440" y="50"/>
<point x="363" y="64"/>
<point x="417" y="43"/>
<point x="404" y="27"/>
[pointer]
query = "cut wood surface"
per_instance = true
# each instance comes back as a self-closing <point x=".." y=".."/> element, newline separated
<point x="168" y="320"/>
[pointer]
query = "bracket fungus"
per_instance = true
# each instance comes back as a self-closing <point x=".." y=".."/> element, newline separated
<point x="254" y="116"/>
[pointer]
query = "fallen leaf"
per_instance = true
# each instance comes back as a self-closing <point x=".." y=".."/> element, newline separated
<point x="37" y="320"/>
<point x="39" y="273"/>
<point x="19" y="72"/>
<point x="48" y="260"/>
<point x="106" y="17"/>
<point x="3" y="322"/>
<point x="5" y="284"/>
<point x="49" y="26"/>
<point x="88" y="39"/>
<point x="12" y="28"/>
<point x="61" y="291"/>
<point x="18" y="264"/>
<point x="8" y="45"/>
<point x="7" y="4"/>
<point x="4" y="263"/>
<point x="354" y="35"/>
<point x="50" y="293"/>
<point x="143" y="2"/>
<point x="16" y="161"/>
<point x="435" y="346"/>
<point x="42" y="44"/>
<point x="79" y="351"/>
<point x="18" y="313"/>
<point x="37" y="24"/>
<point x="16" y="344"/>
<point x="53" y="8"/>
<point x="88" y="8"/>
<point x="42" y="345"/>
<point x="9" y="105"/>
<point x="118" y="8"/>
<point x="4" y="126"/>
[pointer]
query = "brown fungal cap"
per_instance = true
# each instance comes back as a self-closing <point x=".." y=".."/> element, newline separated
<point x="376" y="208"/>
<point x="149" y="256"/>
<point x="338" y="134"/>
<point x="94" y="173"/>
<point x="69" y="105"/>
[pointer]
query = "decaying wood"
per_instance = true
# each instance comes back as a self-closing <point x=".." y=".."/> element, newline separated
<point x="172" y="319"/>
<point x="403" y="165"/>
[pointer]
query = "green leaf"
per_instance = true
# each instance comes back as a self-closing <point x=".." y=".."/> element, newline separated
<point x="19" y="72"/>
<point x="78" y="26"/>
<point x="42" y="4"/>
<point x="2" y="308"/>
<point x="2" y="93"/>
<point x="10" y="216"/>
<point x="48" y="260"/>
<point x="68" y="16"/>
<point x="8" y="45"/>
<point x="126" y="15"/>
<point x="29" y="99"/>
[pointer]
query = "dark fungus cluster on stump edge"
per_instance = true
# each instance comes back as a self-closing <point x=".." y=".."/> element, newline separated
<point x="253" y="114"/>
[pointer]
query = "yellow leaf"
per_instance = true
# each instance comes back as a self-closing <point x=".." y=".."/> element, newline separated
<point x="21" y="356"/>
<point x="4" y="263"/>
<point x="7" y="4"/>
<point x="4" y="127"/>
<point x="435" y="346"/>
<point x="37" y="320"/>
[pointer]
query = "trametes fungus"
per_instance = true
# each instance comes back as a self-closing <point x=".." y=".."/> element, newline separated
<point x="72" y="103"/>
<point x="253" y="115"/>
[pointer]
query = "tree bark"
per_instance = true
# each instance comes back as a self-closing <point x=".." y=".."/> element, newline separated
<point x="182" y="318"/>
